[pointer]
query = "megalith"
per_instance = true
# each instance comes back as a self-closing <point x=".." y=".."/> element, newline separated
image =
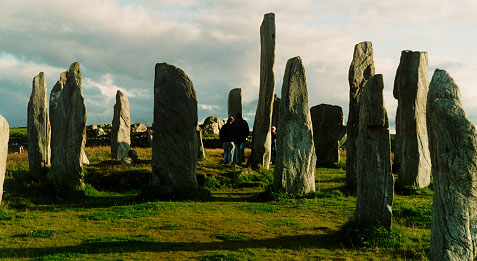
<point x="453" y="150"/>
<point x="360" y="70"/>
<point x="38" y="128"/>
<point x="327" y="129"/>
<point x="296" y="160"/>
<point x="121" y="127"/>
<point x="374" y="197"/>
<point x="234" y="103"/>
<point x="4" y="136"/>
<point x="68" y="130"/>
<point x="175" y="145"/>
<point x="411" y="86"/>
<point x="276" y="110"/>
<point x="261" y="135"/>
<point x="200" y="145"/>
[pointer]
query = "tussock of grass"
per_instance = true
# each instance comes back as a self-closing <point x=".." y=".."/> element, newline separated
<point x="354" y="235"/>
<point x="226" y="257"/>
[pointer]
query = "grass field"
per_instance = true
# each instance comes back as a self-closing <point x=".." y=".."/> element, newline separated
<point x="240" y="220"/>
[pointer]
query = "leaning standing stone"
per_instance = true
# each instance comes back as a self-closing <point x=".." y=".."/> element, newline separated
<point x="121" y="129"/>
<point x="412" y="150"/>
<point x="453" y="149"/>
<point x="4" y="136"/>
<point x="174" y="148"/>
<point x="327" y="128"/>
<point x="296" y="160"/>
<point x="360" y="70"/>
<point x="68" y="130"/>
<point x="262" y="137"/>
<point x="235" y="102"/>
<point x="374" y="197"/>
<point x="38" y="125"/>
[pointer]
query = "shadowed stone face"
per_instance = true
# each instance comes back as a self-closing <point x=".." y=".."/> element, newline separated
<point x="327" y="129"/>
<point x="262" y="139"/>
<point x="175" y="144"/>
<point x="374" y="197"/>
<point x="360" y="71"/>
<point x="412" y="150"/>
<point x="68" y="130"/>
<point x="121" y="127"/>
<point x="4" y="136"/>
<point x="234" y="102"/>
<point x="38" y="125"/>
<point x="453" y="150"/>
<point x="296" y="160"/>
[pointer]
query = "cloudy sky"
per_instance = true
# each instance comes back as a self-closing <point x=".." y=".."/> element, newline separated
<point x="217" y="43"/>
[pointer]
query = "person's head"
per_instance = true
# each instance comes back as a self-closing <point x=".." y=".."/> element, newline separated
<point x="230" y="120"/>
<point x="238" y="116"/>
<point x="274" y="129"/>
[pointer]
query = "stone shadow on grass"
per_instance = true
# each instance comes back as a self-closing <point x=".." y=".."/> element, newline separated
<point x="324" y="241"/>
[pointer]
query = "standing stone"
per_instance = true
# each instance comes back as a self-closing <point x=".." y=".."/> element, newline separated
<point x="4" y="136"/>
<point x="453" y="149"/>
<point x="296" y="160"/>
<point x="327" y="127"/>
<point x="262" y="137"/>
<point x="68" y="130"/>
<point x="212" y="125"/>
<point x="412" y="150"/>
<point x="360" y="70"/>
<point x="276" y="110"/>
<point x="38" y="125"/>
<point x="235" y="102"/>
<point x="201" y="154"/>
<point x="374" y="198"/>
<point x="174" y="148"/>
<point x="121" y="130"/>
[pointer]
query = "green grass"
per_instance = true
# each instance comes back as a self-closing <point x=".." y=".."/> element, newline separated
<point x="238" y="219"/>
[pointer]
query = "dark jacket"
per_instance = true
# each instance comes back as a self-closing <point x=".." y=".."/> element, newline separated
<point x="240" y="130"/>
<point x="226" y="133"/>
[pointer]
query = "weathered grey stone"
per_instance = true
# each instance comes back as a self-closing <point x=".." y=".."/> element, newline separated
<point x="276" y="110"/>
<point x="296" y="160"/>
<point x="38" y="125"/>
<point x="201" y="154"/>
<point x="327" y="129"/>
<point x="68" y="130"/>
<point x="360" y="70"/>
<point x="212" y="125"/>
<point x="4" y="136"/>
<point x="174" y="149"/>
<point x="412" y="150"/>
<point x="121" y="130"/>
<point x="262" y="137"/>
<point x="138" y="128"/>
<point x="235" y="102"/>
<point x="453" y="149"/>
<point x="374" y="198"/>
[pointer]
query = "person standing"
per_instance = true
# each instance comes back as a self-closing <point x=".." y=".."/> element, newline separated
<point x="274" y="144"/>
<point x="227" y="138"/>
<point x="241" y="132"/>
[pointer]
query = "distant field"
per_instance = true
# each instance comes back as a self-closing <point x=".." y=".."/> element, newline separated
<point x="240" y="221"/>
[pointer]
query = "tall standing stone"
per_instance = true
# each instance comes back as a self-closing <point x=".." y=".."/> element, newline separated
<point x="296" y="160"/>
<point x="262" y="137"/>
<point x="200" y="145"/>
<point x="276" y="110"/>
<point x="38" y="126"/>
<point x="360" y="71"/>
<point x="234" y="102"/>
<point x="453" y="149"/>
<point x="411" y="86"/>
<point x="175" y="145"/>
<point x="68" y="130"/>
<point x="374" y="197"/>
<point x="121" y="127"/>
<point x="4" y="136"/>
<point x="327" y="127"/>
